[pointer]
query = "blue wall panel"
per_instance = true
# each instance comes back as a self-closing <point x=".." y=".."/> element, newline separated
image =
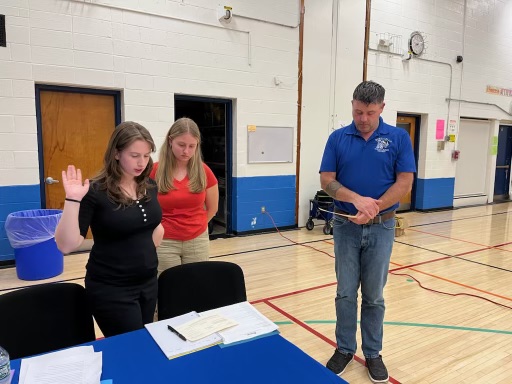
<point x="12" y="199"/>
<point x="435" y="193"/>
<point x="275" y="193"/>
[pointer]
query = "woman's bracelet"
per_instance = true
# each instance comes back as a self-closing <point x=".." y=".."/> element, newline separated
<point x="73" y="200"/>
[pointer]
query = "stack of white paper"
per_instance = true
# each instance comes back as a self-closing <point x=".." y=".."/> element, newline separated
<point x="204" y="326"/>
<point x="79" y="365"/>
<point x="169" y="342"/>
<point x="195" y="331"/>
<point x="251" y="323"/>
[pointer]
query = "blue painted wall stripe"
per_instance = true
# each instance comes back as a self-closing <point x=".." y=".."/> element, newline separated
<point x="435" y="193"/>
<point x="15" y="198"/>
<point x="275" y="193"/>
<point x="20" y="193"/>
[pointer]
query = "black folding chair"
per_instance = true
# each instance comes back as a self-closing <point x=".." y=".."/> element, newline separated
<point x="44" y="318"/>
<point x="199" y="287"/>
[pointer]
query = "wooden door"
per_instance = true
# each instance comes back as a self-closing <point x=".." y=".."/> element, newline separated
<point x="75" y="129"/>
<point x="409" y="124"/>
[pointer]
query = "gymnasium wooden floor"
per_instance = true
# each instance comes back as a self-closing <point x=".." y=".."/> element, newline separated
<point x="429" y="337"/>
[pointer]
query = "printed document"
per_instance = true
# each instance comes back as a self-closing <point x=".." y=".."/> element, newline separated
<point x="204" y="326"/>
<point x="170" y="343"/>
<point x="79" y="365"/>
<point x="251" y="323"/>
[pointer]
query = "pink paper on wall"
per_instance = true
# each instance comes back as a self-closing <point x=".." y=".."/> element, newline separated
<point x="440" y="130"/>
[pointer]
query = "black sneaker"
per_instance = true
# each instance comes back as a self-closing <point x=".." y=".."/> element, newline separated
<point x="377" y="370"/>
<point x="339" y="361"/>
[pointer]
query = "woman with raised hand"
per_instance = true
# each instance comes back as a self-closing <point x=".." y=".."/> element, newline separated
<point x="188" y="194"/>
<point x="120" y="206"/>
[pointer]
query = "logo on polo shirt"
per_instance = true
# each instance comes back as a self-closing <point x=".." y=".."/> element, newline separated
<point x="382" y="144"/>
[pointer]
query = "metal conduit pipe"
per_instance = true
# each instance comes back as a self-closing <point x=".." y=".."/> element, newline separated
<point x="122" y="8"/>
<point x="449" y="98"/>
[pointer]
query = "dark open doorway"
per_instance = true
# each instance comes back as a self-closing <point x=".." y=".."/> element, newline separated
<point x="213" y="116"/>
<point x="503" y="160"/>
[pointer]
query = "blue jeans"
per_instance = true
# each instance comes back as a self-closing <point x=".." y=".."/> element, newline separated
<point x="362" y="254"/>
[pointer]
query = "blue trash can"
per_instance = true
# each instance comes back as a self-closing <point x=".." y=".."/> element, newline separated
<point x="32" y="235"/>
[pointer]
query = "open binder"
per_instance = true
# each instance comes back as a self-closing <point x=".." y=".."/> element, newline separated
<point x="250" y="324"/>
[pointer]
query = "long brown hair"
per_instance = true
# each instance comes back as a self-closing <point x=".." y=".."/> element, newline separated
<point x="109" y="177"/>
<point x="167" y="162"/>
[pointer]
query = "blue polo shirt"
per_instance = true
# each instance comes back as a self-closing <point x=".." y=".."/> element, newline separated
<point x="368" y="168"/>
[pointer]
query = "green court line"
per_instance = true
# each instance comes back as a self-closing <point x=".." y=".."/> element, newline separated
<point x="449" y="327"/>
<point x="422" y="325"/>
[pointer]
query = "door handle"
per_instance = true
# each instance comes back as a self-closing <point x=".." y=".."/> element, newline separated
<point x="50" y="180"/>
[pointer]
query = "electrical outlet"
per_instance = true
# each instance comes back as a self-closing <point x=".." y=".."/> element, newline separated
<point x="263" y="209"/>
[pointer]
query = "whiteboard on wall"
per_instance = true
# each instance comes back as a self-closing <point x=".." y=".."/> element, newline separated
<point x="269" y="144"/>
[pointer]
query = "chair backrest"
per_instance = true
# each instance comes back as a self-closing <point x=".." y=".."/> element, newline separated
<point x="199" y="287"/>
<point x="44" y="318"/>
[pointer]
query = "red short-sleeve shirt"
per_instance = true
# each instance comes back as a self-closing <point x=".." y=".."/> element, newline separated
<point x="184" y="215"/>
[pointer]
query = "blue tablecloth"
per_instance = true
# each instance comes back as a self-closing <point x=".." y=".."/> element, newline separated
<point x="135" y="358"/>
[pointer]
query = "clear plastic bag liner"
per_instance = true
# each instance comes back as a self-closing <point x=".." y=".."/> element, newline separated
<point x="27" y="228"/>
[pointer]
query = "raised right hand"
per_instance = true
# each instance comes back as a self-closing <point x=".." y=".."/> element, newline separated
<point x="72" y="182"/>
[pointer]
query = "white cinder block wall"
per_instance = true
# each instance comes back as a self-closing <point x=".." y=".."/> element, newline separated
<point x="478" y="30"/>
<point x="332" y="68"/>
<point x="150" y="50"/>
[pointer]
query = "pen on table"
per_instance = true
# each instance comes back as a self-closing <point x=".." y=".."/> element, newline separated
<point x="176" y="333"/>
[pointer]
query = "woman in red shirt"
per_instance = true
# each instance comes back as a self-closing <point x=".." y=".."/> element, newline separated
<point x="188" y="194"/>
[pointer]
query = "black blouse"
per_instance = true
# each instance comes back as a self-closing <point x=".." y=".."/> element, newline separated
<point x="123" y="250"/>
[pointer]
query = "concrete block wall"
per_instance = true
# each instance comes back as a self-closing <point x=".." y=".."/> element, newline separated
<point x="481" y="32"/>
<point x="150" y="50"/>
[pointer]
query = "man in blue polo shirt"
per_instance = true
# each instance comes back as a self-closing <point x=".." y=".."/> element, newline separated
<point x="367" y="167"/>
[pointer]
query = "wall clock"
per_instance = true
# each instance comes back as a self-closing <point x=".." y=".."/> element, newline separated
<point x="416" y="43"/>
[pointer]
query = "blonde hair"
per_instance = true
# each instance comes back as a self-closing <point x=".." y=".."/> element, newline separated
<point x="109" y="177"/>
<point x="167" y="161"/>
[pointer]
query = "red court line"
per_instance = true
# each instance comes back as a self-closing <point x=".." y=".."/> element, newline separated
<point x="303" y="325"/>
<point x="464" y="241"/>
<point x="487" y="247"/>
<point x="475" y="251"/>
<point x="292" y="293"/>
<point x="415" y="265"/>
<point x="445" y="237"/>
<point x="502" y="245"/>
<point x="316" y="333"/>
<point x="457" y="283"/>
<point x="412" y="269"/>
<point x="496" y="247"/>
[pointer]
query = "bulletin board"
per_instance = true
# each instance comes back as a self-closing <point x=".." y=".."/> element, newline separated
<point x="269" y="144"/>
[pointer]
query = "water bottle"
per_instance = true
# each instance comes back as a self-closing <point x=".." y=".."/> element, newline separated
<point x="5" y="367"/>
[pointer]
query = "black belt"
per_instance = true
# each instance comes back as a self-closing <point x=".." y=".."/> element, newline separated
<point x="376" y="220"/>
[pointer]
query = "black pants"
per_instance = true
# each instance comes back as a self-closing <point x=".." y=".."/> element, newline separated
<point x="120" y="309"/>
